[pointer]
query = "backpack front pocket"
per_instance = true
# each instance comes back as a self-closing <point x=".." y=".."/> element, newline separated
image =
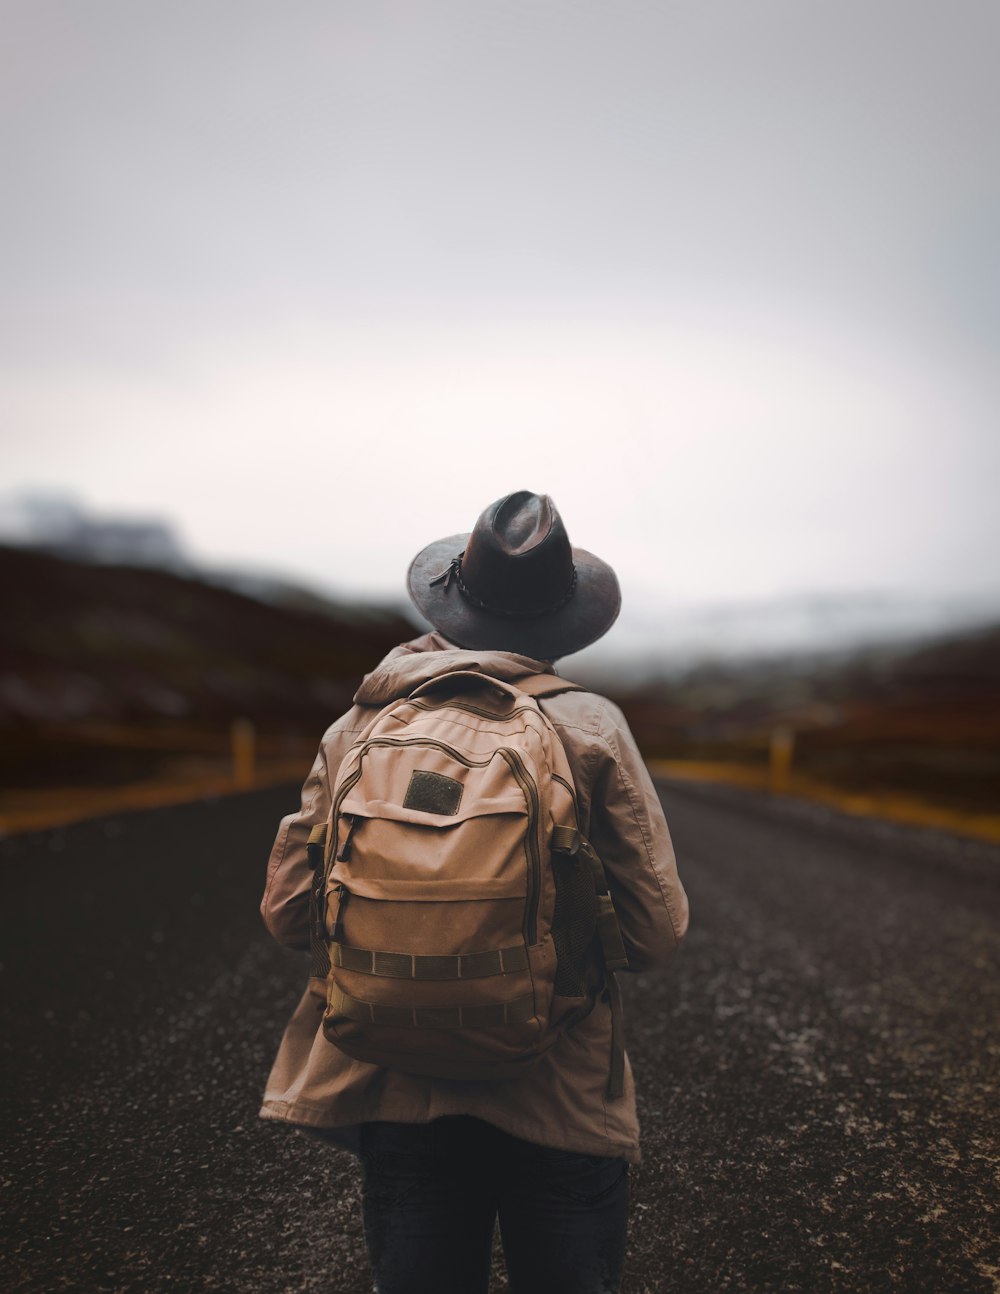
<point x="432" y="889"/>
<point x="438" y="984"/>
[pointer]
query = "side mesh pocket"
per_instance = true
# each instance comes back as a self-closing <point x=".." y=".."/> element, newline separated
<point x="574" y="923"/>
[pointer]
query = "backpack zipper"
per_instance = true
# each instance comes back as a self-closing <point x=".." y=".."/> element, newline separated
<point x="355" y="776"/>
<point x="572" y="797"/>
<point x="530" y="791"/>
<point x="345" y="848"/>
<point x="524" y="780"/>
<point x="527" y="784"/>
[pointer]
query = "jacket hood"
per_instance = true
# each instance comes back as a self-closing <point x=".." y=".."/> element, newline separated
<point x="427" y="657"/>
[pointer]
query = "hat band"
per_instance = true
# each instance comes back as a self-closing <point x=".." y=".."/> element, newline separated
<point x="454" y="571"/>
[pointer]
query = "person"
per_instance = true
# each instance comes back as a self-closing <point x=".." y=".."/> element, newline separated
<point x="547" y="1153"/>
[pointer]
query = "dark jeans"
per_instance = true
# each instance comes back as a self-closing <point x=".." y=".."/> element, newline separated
<point x="432" y="1192"/>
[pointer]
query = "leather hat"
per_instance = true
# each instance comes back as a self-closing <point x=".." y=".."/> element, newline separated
<point x="515" y="583"/>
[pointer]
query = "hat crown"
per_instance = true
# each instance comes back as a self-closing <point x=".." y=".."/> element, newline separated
<point x="522" y="520"/>
<point x="515" y="583"/>
<point x="518" y="561"/>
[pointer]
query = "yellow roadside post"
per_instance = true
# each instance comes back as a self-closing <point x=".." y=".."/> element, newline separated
<point x="782" y="749"/>
<point x="242" y="743"/>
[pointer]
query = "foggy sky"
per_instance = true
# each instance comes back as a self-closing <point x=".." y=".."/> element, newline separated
<point x="319" y="281"/>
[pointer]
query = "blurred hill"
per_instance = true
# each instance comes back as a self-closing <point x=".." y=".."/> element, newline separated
<point x="657" y="641"/>
<point x="56" y="523"/>
<point x="114" y="675"/>
<point x="921" y="718"/>
<point x="104" y="667"/>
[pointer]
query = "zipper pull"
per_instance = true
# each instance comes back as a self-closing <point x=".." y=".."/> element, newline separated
<point x="337" y="934"/>
<point x="345" y="848"/>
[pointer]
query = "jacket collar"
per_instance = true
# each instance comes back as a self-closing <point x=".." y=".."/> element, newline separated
<point x="430" y="655"/>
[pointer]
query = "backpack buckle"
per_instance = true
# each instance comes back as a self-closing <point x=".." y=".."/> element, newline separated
<point x="566" y="840"/>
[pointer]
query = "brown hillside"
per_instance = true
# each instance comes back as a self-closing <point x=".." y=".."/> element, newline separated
<point x="102" y="668"/>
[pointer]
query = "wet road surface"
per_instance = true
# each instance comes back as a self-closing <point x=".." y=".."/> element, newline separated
<point x="817" y="1077"/>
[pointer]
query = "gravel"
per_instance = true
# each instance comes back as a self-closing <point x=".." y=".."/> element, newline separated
<point x="817" y="1076"/>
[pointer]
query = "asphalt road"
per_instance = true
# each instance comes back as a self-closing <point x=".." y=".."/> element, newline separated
<point x="817" y="1077"/>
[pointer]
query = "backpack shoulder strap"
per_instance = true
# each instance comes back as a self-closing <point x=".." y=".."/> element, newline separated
<point x="546" y="685"/>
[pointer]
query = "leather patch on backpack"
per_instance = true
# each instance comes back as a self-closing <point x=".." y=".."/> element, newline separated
<point x="433" y="793"/>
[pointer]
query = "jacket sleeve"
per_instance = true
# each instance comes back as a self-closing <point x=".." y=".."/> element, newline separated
<point x="285" y="906"/>
<point x="630" y="834"/>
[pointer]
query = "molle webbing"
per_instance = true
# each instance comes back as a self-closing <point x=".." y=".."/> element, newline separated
<point x="369" y="961"/>
<point x="438" y="1017"/>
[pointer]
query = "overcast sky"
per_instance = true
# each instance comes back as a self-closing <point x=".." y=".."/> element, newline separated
<point x="318" y="281"/>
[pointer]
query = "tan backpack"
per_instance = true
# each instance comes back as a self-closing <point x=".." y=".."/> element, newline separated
<point x="460" y="918"/>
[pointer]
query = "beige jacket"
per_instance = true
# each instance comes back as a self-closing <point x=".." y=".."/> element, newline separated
<point x="560" y="1101"/>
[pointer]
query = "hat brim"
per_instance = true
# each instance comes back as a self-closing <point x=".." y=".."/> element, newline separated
<point x="587" y="616"/>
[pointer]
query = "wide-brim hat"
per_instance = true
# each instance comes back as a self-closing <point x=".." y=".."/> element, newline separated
<point x="515" y="583"/>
